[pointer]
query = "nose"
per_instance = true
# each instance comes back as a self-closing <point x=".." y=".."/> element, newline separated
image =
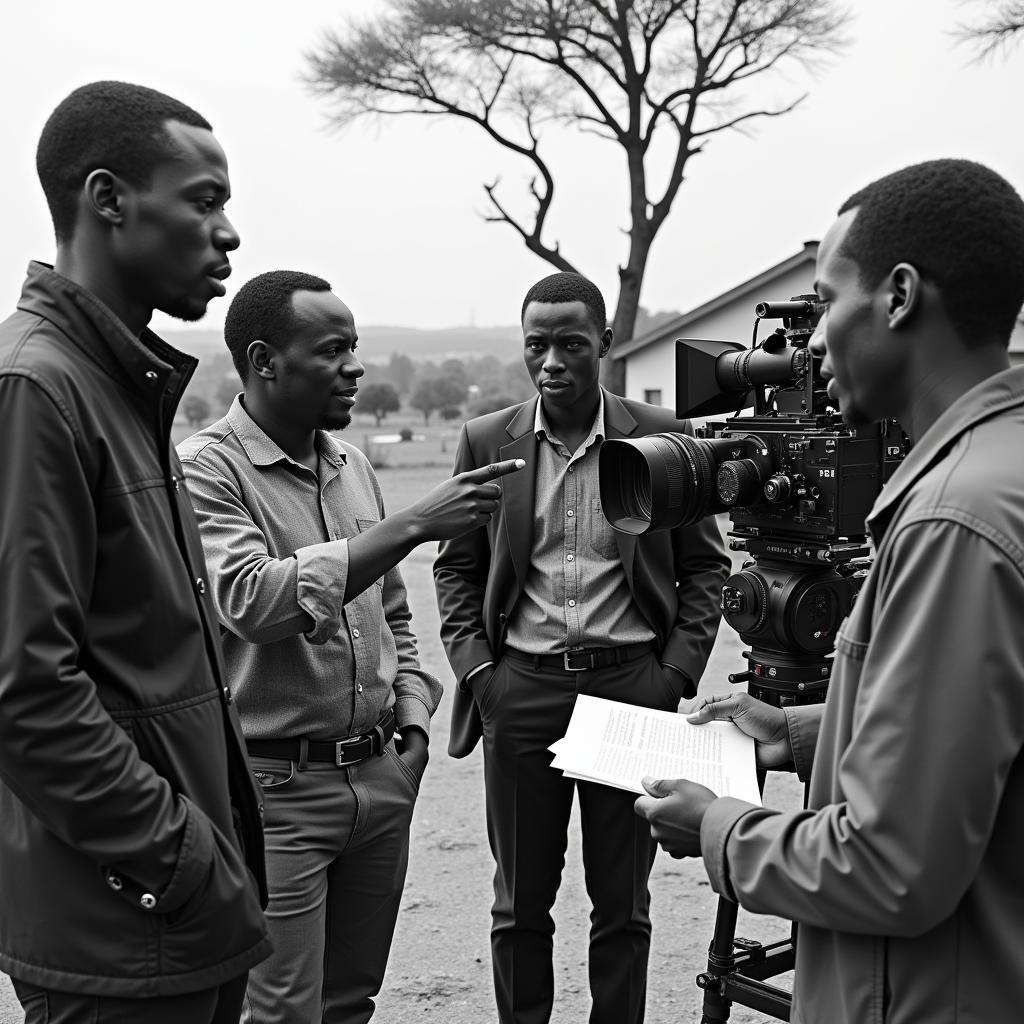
<point x="552" y="362"/>
<point x="817" y="343"/>
<point x="352" y="368"/>
<point x="225" y="237"/>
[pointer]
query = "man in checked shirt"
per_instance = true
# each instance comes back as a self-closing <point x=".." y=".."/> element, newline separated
<point x="323" y="665"/>
<point x="543" y="602"/>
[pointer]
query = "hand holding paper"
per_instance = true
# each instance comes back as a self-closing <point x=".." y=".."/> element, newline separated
<point x="675" y="809"/>
<point x="619" y="744"/>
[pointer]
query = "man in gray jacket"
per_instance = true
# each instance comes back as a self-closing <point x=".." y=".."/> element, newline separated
<point x="905" y="870"/>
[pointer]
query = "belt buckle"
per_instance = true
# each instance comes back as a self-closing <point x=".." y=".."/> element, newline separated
<point x="566" y="655"/>
<point x="339" y="752"/>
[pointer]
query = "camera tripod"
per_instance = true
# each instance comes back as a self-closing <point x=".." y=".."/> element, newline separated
<point x="737" y="968"/>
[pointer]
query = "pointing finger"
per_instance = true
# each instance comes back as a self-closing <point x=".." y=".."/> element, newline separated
<point x="494" y="470"/>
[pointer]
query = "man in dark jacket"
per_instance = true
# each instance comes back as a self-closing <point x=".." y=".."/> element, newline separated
<point x="543" y="602"/>
<point x="131" y="860"/>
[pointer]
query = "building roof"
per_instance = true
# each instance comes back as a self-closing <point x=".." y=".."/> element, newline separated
<point x="760" y="283"/>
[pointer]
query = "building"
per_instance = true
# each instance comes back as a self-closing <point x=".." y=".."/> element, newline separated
<point x="650" y="357"/>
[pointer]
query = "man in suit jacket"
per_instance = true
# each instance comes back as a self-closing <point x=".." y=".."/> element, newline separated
<point x="543" y="603"/>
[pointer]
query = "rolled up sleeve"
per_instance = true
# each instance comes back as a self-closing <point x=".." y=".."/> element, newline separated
<point x="259" y="597"/>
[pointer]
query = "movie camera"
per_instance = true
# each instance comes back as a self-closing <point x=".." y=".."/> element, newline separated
<point x="797" y="484"/>
<point x="796" y="481"/>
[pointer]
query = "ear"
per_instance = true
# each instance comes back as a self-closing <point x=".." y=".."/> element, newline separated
<point x="261" y="359"/>
<point x="606" y="342"/>
<point x="904" y="295"/>
<point x="104" y="195"/>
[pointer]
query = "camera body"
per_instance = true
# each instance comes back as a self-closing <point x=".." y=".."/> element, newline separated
<point x="796" y="481"/>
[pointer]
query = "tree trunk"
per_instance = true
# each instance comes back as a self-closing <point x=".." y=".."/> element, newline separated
<point x="627" y="307"/>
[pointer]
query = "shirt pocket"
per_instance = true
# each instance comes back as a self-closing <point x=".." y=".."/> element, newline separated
<point x="600" y="533"/>
<point x="363" y="525"/>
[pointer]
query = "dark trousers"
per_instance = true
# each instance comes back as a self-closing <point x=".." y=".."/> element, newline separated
<point x="524" y="709"/>
<point x="219" y="1005"/>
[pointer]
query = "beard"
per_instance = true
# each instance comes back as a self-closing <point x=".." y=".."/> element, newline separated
<point x="335" y="420"/>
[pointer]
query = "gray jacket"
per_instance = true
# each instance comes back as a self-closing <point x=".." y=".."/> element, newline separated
<point x="906" y="871"/>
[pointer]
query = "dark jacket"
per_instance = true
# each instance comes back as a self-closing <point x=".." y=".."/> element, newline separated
<point x="675" y="576"/>
<point x="125" y="794"/>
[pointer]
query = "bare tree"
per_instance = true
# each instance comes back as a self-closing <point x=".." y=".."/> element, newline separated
<point x="629" y="71"/>
<point x="998" y="24"/>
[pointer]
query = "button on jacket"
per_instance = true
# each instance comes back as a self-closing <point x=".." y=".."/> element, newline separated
<point x="125" y="793"/>
<point x="907" y="872"/>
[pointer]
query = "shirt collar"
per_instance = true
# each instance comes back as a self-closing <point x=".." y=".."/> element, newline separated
<point x="995" y="394"/>
<point x="263" y="450"/>
<point x="541" y="428"/>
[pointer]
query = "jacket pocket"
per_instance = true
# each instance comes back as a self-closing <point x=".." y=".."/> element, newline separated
<point x="221" y="916"/>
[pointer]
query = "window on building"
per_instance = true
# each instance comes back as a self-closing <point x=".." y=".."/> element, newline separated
<point x="652" y="396"/>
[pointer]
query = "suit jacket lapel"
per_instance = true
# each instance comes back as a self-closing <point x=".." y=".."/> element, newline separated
<point x="519" y="489"/>
<point x="618" y="423"/>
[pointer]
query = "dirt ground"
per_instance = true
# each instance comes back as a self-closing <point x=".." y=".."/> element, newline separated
<point x="440" y="964"/>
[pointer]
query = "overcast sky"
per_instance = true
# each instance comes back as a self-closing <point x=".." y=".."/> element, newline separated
<point x="391" y="213"/>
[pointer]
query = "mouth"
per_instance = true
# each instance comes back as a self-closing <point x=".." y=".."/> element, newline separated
<point x="217" y="276"/>
<point x="348" y="396"/>
<point x="554" y="385"/>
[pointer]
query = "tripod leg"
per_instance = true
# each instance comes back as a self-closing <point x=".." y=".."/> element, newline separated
<point x="717" y="1005"/>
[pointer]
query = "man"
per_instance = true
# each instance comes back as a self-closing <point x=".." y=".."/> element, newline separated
<point x="545" y="603"/>
<point x="323" y="664"/>
<point x="131" y="861"/>
<point x="905" y="870"/>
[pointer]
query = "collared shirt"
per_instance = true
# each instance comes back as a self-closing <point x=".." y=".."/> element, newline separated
<point x="575" y="593"/>
<point x="300" y="662"/>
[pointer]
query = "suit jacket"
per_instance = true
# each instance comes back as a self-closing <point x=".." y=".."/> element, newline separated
<point x="675" y="576"/>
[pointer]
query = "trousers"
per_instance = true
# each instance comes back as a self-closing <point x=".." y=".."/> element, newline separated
<point x="211" y="1006"/>
<point x="337" y="849"/>
<point x="524" y="709"/>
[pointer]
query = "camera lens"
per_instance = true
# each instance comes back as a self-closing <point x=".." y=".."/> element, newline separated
<point x="657" y="482"/>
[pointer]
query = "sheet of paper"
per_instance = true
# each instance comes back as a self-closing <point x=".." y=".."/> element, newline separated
<point x="618" y="744"/>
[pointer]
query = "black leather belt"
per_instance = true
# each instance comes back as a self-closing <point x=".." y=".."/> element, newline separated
<point x="580" y="659"/>
<point x="338" y="752"/>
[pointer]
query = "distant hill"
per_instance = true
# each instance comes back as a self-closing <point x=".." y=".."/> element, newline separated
<point x="377" y="343"/>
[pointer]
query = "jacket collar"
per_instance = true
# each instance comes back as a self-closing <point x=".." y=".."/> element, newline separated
<point x="263" y="450"/>
<point x="93" y="328"/>
<point x="618" y="420"/>
<point x="996" y="394"/>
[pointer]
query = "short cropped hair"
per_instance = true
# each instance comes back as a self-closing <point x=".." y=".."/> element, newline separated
<point x="961" y="225"/>
<point x="262" y="311"/>
<point x="569" y="287"/>
<point x="113" y="125"/>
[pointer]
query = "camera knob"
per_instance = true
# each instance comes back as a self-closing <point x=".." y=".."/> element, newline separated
<point x="738" y="482"/>
<point x="778" y="488"/>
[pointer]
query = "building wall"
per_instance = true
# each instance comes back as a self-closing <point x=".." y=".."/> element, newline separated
<point x="653" y="368"/>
